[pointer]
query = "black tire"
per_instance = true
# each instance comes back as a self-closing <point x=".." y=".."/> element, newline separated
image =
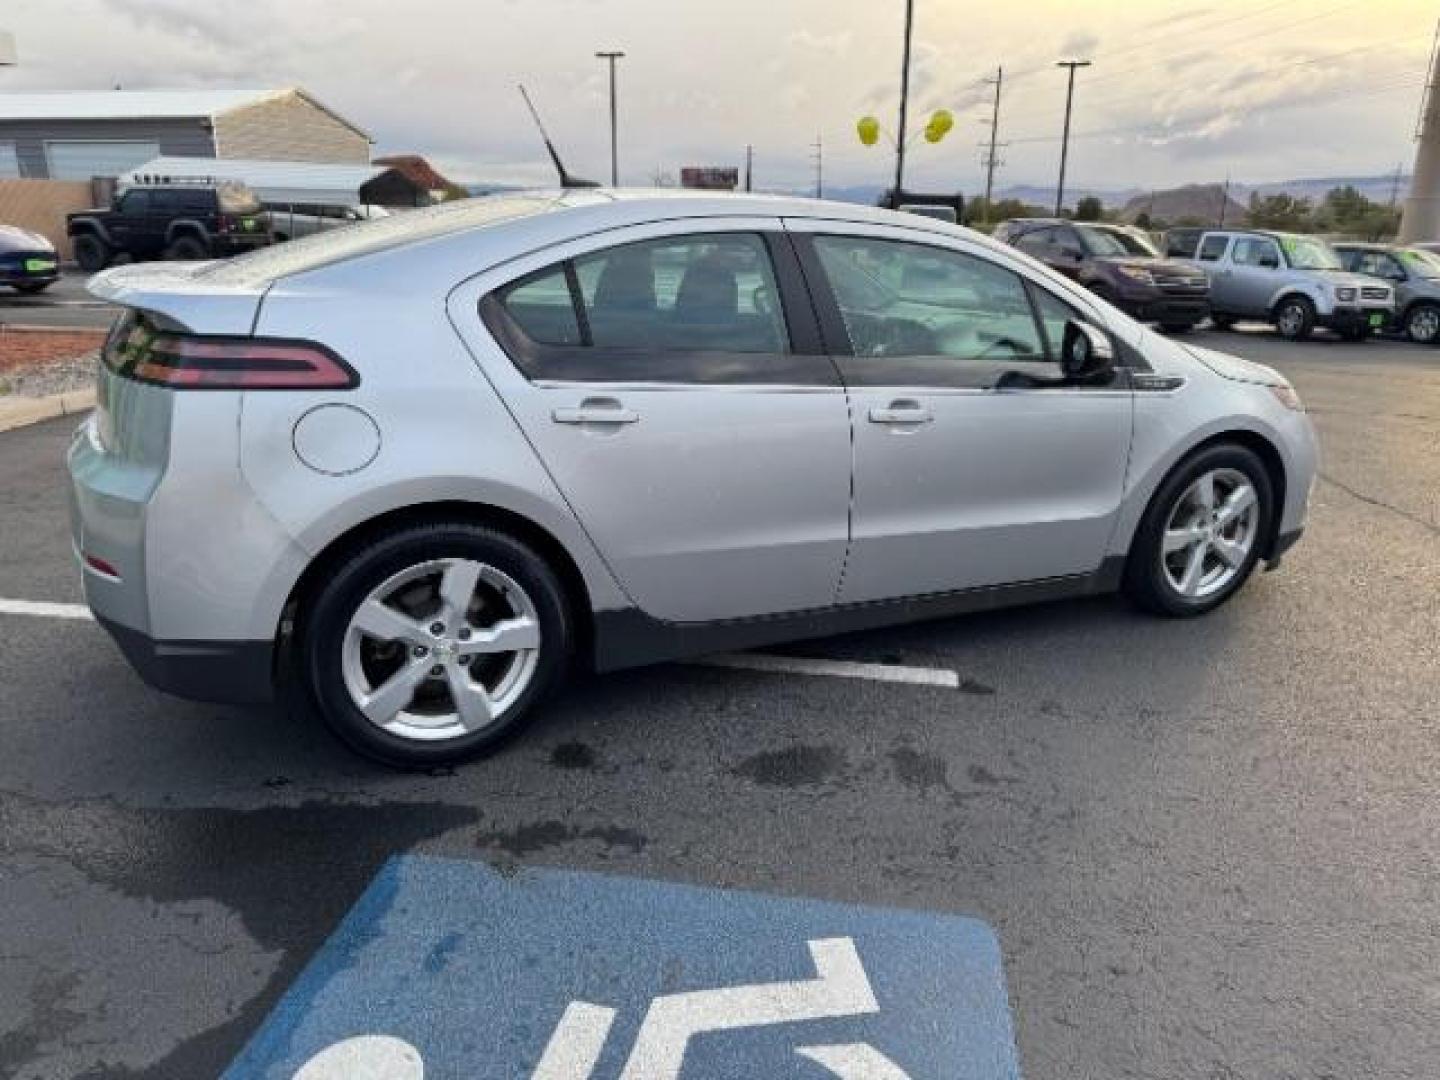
<point x="1145" y="582"/>
<point x="91" y="253"/>
<point x="187" y="248"/>
<point x="1177" y="327"/>
<point x="324" y="618"/>
<point x="1294" y="318"/>
<point x="1222" y="322"/>
<point x="1422" y="324"/>
<point x="33" y="288"/>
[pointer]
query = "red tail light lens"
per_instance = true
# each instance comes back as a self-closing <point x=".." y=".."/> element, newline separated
<point x="194" y="362"/>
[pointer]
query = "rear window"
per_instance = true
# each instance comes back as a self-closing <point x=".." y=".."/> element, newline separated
<point x="265" y="265"/>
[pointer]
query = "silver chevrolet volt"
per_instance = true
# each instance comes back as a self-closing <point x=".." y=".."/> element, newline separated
<point x="419" y="468"/>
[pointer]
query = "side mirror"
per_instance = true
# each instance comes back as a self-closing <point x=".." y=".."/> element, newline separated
<point x="1085" y="351"/>
<point x="1269" y="262"/>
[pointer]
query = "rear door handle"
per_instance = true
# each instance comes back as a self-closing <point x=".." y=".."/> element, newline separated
<point x="901" y="412"/>
<point x="596" y="411"/>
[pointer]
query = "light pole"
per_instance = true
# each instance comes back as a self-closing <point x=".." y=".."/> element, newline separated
<point x="1065" y="140"/>
<point x="904" y="101"/>
<point x="611" y="56"/>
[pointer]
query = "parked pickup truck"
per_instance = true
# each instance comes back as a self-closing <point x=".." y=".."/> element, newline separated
<point x="1294" y="282"/>
<point x="170" y="221"/>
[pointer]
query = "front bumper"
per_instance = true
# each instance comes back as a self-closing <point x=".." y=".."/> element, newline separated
<point x="29" y="268"/>
<point x="1157" y="304"/>
<point x="1352" y="319"/>
<point x="225" y="672"/>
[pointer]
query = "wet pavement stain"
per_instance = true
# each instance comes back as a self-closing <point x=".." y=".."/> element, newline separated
<point x="529" y="839"/>
<point x="920" y="770"/>
<point x="289" y="873"/>
<point x="796" y="766"/>
<point x="573" y="755"/>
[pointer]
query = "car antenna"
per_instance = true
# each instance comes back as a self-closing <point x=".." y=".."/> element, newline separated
<point x="566" y="180"/>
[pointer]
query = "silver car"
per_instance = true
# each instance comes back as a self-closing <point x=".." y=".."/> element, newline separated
<point x="1415" y="276"/>
<point x="424" y="464"/>
<point x="1296" y="282"/>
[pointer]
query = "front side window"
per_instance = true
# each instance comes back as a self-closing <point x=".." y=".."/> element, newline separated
<point x="1251" y="251"/>
<point x="899" y="299"/>
<point x="135" y="202"/>
<point x="1213" y="248"/>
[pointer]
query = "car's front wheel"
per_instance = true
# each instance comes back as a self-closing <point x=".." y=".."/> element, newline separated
<point x="1422" y="324"/>
<point x="33" y="288"/>
<point x="187" y="248"/>
<point x="1202" y="533"/>
<point x="434" y="643"/>
<point x="91" y="253"/>
<point x="1295" y="318"/>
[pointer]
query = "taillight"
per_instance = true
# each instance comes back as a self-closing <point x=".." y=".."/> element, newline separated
<point x="192" y="362"/>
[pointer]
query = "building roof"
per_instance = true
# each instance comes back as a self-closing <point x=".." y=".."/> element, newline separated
<point x="199" y="102"/>
<point x="420" y="171"/>
<point x="272" y="181"/>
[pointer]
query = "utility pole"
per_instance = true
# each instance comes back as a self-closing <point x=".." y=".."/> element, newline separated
<point x="1224" y="201"/>
<point x="819" y="158"/>
<point x="1065" y="139"/>
<point x="611" y="56"/>
<point x="1395" y="184"/>
<point x="749" y="164"/>
<point x="990" y="154"/>
<point x="904" y="102"/>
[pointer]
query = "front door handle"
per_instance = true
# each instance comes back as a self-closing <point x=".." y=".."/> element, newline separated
<point x="901" y="412"/>
<point x="596" y="411"/>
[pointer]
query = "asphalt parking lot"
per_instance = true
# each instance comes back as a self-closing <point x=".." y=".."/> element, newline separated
<point x="1207" y="849"/>
<point x="64" y="306"/>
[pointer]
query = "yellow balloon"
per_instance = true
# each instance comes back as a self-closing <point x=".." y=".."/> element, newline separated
<point x="939" y="126"/>
<point x="868" y="128"/>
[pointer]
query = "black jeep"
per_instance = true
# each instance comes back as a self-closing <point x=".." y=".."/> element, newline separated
<point x="170" y="221"/>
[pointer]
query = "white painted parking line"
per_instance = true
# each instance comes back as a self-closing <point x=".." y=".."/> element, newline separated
<point x="838" y="669"/>
<point x="44" y="609"/>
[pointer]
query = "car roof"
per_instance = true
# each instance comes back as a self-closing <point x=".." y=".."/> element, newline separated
<point x="546" y="215"/>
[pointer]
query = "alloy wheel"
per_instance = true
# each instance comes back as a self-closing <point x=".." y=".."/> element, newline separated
<point x="441" y="650"/>
<point x="1210" y="533"/>
<point x="1291" y="320"/>
<point x="1423" y="325"/>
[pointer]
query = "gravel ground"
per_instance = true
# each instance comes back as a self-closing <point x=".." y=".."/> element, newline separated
<point x="56" y="377"/>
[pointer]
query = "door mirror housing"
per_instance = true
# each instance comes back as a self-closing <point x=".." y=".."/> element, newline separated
<point x="1086" y="351"/>
<point x="1269" y="261"/>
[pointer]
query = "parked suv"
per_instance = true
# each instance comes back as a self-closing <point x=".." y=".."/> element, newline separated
<point x="415" y="467"/>
<point x="171" y="221"/>
<point x="1295" y="282"/>
<point x="1120" y="265"/>
<point x="1415" y="276"/>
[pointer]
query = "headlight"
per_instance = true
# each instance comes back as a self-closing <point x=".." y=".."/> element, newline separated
<point x="1345" y="293"/>
<point x="1137" y="273"/>
<point x="1287" y="396"/>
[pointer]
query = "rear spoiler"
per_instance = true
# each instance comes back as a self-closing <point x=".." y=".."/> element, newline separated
<point x="181" y="297"/>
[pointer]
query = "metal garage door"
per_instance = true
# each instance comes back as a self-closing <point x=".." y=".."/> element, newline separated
<point x="79" y="160"/>
<point x="9" y="163"/>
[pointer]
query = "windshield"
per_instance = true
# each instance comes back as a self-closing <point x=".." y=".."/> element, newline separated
<point x="1128" y="243"/>
<point x="1307" y="254"/>
<point x="1424" y="263"/>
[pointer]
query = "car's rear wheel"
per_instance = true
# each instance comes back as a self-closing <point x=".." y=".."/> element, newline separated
<point x="1294" y="318"/>
<point x="1202" y="533"/>
<point x="434" y="643"/>
<point x="1422" y="324"/>
<point x="187" y="249"/>
<point x="91" y="253"/>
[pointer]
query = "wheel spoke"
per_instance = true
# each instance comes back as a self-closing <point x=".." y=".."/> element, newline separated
<point x="1179" y="539"/>
<point x="1194" y="570"/>
<point x="457" y="587"/>
<point x="511" y="635"/>
<point x="1236" y="503"/>
<point x="1204" y="491"/>
<point x="472" y="703"/>
<point x="384" y="623"/>
<point x="1231" y="551"/>
<point x="383" y="703"/>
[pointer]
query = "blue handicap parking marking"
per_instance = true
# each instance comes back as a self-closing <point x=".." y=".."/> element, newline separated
<point x="446" y="968"/>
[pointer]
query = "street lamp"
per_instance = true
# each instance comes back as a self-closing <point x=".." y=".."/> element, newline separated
<point x="611" y="56"/>
<point x="1065" y="140"/>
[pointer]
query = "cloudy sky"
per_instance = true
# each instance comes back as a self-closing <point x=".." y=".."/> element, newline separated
<point x="1179" y="91"/>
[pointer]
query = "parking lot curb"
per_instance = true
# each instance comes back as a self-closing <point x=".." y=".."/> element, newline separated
<point x="22" y="412"/>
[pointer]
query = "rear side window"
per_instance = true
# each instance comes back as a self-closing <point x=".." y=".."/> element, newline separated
<point x="1213" y="248"/>
<point x="695" y="293"/>
<point x="1253" y="251"/>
